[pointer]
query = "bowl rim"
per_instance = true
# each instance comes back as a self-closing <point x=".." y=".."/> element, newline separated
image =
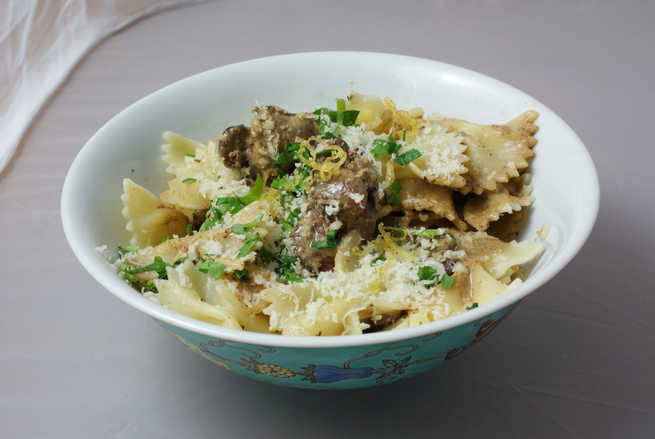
<point x="124" y="292"/>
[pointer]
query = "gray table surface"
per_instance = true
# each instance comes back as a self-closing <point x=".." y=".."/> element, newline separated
<point x="576" y="359"/>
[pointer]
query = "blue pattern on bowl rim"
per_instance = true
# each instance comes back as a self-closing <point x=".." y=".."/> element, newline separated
<point x="344" y="367"/>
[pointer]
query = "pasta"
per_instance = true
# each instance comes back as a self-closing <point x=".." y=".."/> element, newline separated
<point x="338" y="222"/>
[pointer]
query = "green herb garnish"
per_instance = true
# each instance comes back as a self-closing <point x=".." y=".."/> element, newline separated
<point x="432" y="233"/>
<point x="341" y="116"/>
<point x="241" y="229"/>
<point x="189" y="229"/>
<point x="394" y="193"/>
<point x="124" y="250"/>
<point x="286" y="269"/>
<point x="249" y="242"/>
<point x="330" y="241"/>
<point x="383" y="147"/>
<point x="290" y="220"/>
<point x="214" y="269"/>
<point x="250" y="237"/>
<point x="232" y="205"/>
<point x="158" y="265"/>
<point x="430" y="273"/>
<point x="190" y="155"/>
<point x="408" y="157"/>
<point x="125" y="269"/>
<point x="446" y="281"/>
<point x="324" y="152"/>
<point x="241" y="275"/>
<point x="286" y="158"/>
<point x="427" y="273"/>
<point x="189" y="180"/>
<point x="475" y="305"/>
<point x="255" y="192"/>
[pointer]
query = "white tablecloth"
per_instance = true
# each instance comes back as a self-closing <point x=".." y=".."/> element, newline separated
<point x="41" y="41"/>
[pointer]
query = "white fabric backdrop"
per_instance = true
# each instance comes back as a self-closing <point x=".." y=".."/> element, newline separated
<point x="41" y="41"/>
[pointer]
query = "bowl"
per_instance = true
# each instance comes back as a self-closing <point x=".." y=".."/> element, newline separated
<point x="565" y="187"/>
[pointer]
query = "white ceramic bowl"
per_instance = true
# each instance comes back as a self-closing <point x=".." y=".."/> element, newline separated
<point x="565" y="187"/>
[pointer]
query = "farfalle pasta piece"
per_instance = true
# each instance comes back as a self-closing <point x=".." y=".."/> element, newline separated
<point x="178" y="294"/>
<point x="147" y="218"/>
<point x="408" y="121"/>
<point x="184" y="195"/>
<point x="308" y="309"/>
<point x="190" y="160"/>
<point x="417" y="317"/>
<point x="502" y="265"/>
<point x="443" y="159"/>
<point x="179" y="153"/>
<point x="485" y="287"/>
<point x="509" y="226"/>
<point x="479" y="246"/>
<point x="373" y="114"/>
<point x="219" y="244"/>
<point x="419" y="195"/>
<point x="480" y="210"/>
<point x="226" y="295"/>
<point x="496" y="152"/>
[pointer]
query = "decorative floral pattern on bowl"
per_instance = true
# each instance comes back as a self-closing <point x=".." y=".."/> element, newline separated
<point x="344" y="367"/>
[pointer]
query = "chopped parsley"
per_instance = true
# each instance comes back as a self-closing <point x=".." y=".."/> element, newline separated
<point x="286" y="265"/>
<point x="330" y="241"/>
<point x="158" y="266"/>
<point x="124" y="250"/>
<point x="390" y="147"/>
<point x="445" y="281"/>
<point x="393" y="193"/>
<point x="286" y="158"/>
<point x="189" y="180"/>
<point x="190" y="155"/>
<point x="475" y="305"/>
<point x="378" y="259"/>
<point x="383" y="147"/>
<point x="250" y="237"/>
<point x="241" y="275"/>
<point x="214" y="269"/>
<point x="242" y="229"/>
<point x="324" y="152"/>
<point x="220" y="206"/>
<point x="189" y="229"/>
<point x="255" y="192"/>
<point x="290" y="220"/>
<point x="286" y="269"/>
<point x="341" y="116"/>
<point x="408" y="157"/>
<point x="250" y="240"/>
<point x="125" y="269"/>
<point x="427" y="273"/>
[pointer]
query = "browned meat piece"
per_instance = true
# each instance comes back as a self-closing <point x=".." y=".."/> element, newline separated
<point x="354" y="189"/>
<point x="271" y="129"/>
<point x="313" y="227"/>
<point x="233" y="146"/>
<point x="349" y="198"/>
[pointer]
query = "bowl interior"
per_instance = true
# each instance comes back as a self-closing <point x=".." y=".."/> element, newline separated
<point x="200" y="107"/>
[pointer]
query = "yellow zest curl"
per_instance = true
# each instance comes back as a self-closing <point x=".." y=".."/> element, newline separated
<point x="328" y="167"/>
<point x="392" y="246"/>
